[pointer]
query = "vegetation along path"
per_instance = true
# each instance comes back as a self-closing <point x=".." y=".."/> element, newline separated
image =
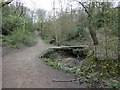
<point x="23" y="69"/>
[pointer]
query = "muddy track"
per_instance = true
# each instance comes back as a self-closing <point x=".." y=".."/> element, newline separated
<point x="23" y="69"/>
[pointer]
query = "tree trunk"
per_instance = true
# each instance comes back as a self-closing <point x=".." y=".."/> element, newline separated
<point x="90" y="24"/>
<point x="92" y="32"/>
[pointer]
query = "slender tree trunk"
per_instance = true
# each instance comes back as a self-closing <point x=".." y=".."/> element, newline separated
<point x="90" y="26"/>
<point x="92" y="32"/>
<point x="56" y="36"/>
<point x="105" y="28"/>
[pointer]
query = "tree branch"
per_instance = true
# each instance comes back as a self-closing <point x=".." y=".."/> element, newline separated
<point x="83" y="7"/>
<point x="2" y="4"/>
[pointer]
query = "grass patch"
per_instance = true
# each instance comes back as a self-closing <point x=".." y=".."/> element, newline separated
<point x="59" y="66"/>
<point x="54" y="64"/>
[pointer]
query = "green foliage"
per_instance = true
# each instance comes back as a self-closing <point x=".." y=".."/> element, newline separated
<point x="53" y="63"/>
<point x="99" y="19"/>
<point x="77" y="32"/>
<point x="115" y="84"/>
<point x="18" y="39"/>
<point x="62" y="29"/>
<point x="59" y="66"/>
<point x="17" y="30"/>
<point x="28" y="23"/>
<point x="92" y="72"/>
<point x="66" y="28"/>
<point x="10" y="24"/>
<point x="107" y="15"/>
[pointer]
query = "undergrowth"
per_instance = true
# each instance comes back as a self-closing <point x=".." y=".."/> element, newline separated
<point x="18" y="39"/>
<point x="96" y="73"/>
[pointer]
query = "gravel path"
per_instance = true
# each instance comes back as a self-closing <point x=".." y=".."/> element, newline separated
<point x="23" y="69"/>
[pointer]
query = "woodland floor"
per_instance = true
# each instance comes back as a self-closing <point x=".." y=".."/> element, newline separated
<point x="23" y="69"/>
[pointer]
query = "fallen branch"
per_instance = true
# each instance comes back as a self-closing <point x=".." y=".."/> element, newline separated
<point x="54" y="80"/>
<point x="71" y="80"/>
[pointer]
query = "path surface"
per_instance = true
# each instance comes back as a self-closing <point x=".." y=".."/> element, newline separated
<point x="23" y="69"/>
<point x="0" y="64"/>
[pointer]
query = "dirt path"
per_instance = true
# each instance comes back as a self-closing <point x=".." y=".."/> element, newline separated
<point x="24" y="69"/>
<point x="0" y="64"/>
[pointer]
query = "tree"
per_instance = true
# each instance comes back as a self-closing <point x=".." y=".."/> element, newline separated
<point x="4" y="3"/>
<point x="90" y="10"/>
<point x="17" y="25"/>
<point x="40" y="13"/>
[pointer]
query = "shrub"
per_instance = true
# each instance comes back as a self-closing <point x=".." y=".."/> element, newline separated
<point x="19" y="38"/>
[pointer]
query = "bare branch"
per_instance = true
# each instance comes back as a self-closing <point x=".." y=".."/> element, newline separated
<point x="2" y="4"/>
<point x="86" y="10"/>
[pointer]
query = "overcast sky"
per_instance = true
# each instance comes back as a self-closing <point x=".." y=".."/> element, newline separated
<point x="31" y="4"/>
<point x="46" y="4"/>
